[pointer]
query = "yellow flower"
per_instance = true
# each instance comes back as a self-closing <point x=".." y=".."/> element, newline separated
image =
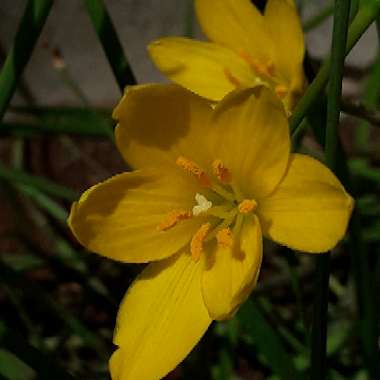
<point x="209" y="183"/>
<point x="247" y="49"/>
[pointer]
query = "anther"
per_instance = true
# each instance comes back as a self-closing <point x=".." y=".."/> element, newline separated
<point x="173" y="218"/>
<point x="231" y="78"/>
<point x="224" y="238"/>
<point x="262" y="69"/>
<point x="196" y="245"/>
<point x="193" y="169"/>
<point x="281" y="91"/>
<point x="221" y="172"/>
<point x="247" y="205"/>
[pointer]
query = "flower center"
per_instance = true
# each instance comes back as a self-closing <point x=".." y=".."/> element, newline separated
<point x="221" y="205"/>
<point x="265" y="74"/>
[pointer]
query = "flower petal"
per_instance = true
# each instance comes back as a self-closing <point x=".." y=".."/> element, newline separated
<point x="231" y="273"/>
<point x="119" y="217"/>
<point x="284" y="26"/>
<point x="309" y="210"/>
<point x="208" y="69"/>
<point x="237" y="24"/>
<point x="252" y="139"/>
<point x="160" y="320"/>
<point x="158" y="123"/>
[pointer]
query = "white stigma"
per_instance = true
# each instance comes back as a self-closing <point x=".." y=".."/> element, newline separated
<point x="203" y="204"/>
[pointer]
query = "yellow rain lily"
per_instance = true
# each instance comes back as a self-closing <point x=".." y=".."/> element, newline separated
<point x="209" y="183"/>
<point x="246" y="48"/>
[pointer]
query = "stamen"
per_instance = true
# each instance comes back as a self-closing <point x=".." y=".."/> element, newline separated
<point x="196" y="245"/>
<point x="262" y="69"/>
<point x="173" y="218"/>
<point x="224" y="238"/>
<point x="232" y="78"/>
<point x="247" y="205"/>
<point x="281" y="91"/>
<point x="221" y="172"/>
<point x="203" y="204"/>
<point x="193" y="169"/>
<point x="271" y="68"/>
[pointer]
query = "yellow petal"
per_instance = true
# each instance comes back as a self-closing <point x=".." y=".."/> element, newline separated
<point x="158" y="123"/>
<point x="309" y="210"/>
<point x="252" y="139"/>
<point x="161" y="318"/>
<point x="208" y="69"/>
<point x="284" y="26"/>
<point x="236" y="24"/>
<point x="119" y="217"/>
<point x="231" y="273"/>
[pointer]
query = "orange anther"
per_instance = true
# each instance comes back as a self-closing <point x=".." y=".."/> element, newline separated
<point x="232" y="78"/>
<point x="224" y="238"/>
<point x="193" y="169"/>
<point x="260" y="68"/>
<point x="281" y="91"/>
<point x="173" y="218"/>
<point x="247" y="206"/>
<point x="221" y="172"/>
<point x="271" y="68"/>
<point x="196" y="245"/>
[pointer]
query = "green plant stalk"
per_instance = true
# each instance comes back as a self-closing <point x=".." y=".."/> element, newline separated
<point x="111" y="44"/>
<point x="363" y="19"/>
<point x="318" y="370"/>
<point x="30" y="27"/>
<point x="40" y="183"/>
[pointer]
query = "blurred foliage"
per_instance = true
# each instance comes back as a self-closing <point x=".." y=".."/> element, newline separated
<point x="58" y="303"/>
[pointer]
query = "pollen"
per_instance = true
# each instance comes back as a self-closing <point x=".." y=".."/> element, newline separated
<point x="192" y="168"/>
<point x="221" y="172"/>
<point x="232" y="78"/>
<point x="224" y="238"/>
<point x="196" y="245"/>
<point x="281" y="91"/>
<point x="247" y="206"/>
<point x="173" y="218"/>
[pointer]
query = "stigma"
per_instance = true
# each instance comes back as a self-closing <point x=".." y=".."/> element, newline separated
<point x="202" y="206"/>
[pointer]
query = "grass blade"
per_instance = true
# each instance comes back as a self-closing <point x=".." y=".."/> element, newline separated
<point x="30" y="27"/>
<point x="40" y="183"/>
<point x="267" y="340"/>
<point x="111" y="43"/>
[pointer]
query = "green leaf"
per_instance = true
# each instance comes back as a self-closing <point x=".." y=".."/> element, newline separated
<point x="13" y="368"/>
<point x="267" y="341"/>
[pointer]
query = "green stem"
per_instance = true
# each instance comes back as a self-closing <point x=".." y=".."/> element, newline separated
<point x="39" y="183"/>
<point x="338" y="50"/>
<point x="364" y="18"/>
<point x="110" y="42"/>
<point x="30" y="27"/>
